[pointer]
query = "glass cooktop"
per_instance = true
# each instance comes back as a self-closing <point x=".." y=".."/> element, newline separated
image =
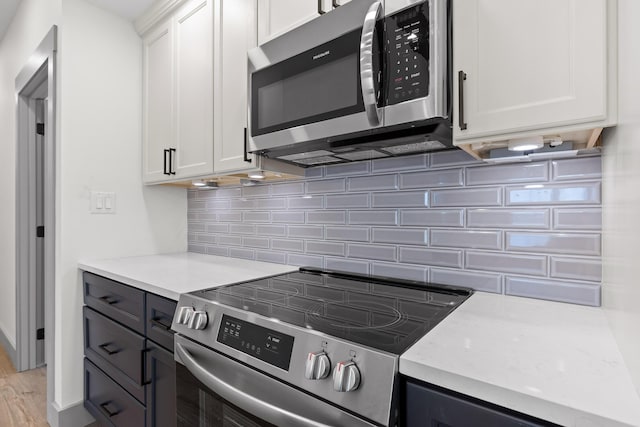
<point x="379" y="312"/>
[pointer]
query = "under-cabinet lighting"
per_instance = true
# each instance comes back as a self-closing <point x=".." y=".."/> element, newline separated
<point x="256" y="175"/>
<point x="526" y="144"/>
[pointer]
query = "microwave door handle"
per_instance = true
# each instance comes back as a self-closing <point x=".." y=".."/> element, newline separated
<point x="367" y="73"/>
<point x="238" y="397"/>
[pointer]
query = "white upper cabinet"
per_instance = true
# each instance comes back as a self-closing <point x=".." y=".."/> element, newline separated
<point x="276" y="17"/>
<point x="178" y="95"/>
<point x="235" y="33"/>
<point x="158" y="96"/>
<point x="194" y="89"/>
<point x="531" y="66"/>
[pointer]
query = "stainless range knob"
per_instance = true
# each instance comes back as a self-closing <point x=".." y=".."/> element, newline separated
<point x="318" y="366"/>
<point x="346" y="376"/>
<point x="184" y="315"/>
<point x="198" y="320"/>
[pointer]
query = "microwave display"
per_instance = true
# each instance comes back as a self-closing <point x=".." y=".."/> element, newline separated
<point x="407" y="54"/>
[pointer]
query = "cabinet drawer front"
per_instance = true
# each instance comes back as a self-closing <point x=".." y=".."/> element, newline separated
<point x="109" y="403"/>
<point x="120" y="302"/>
<point x="159" y="317"/>
<point x="117" y="350"/>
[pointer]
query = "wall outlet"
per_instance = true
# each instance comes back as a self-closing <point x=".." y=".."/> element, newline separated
<point x="103" y="202"/>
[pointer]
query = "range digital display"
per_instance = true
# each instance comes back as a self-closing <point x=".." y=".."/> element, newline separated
<point x="265" y="344"/>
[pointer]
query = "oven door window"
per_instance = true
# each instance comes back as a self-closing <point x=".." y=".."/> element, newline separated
<point x="316" y="85"/>
<point x="200" y="407"/>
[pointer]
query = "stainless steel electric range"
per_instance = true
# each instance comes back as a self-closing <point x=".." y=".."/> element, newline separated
<point x="307" y="348"/>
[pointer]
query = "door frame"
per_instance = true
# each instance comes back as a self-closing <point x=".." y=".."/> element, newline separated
<point x="38" y="71"/>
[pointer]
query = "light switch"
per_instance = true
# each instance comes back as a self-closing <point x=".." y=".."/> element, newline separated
<point x="103" y="202"/>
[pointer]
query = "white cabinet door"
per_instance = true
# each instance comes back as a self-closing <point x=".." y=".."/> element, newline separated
<point x="529" y="64"/>
<point x="157" y="115"/>
<point x="279" y="16"/>
<point x="194" y="89"/>
<point x="235" y="33"/>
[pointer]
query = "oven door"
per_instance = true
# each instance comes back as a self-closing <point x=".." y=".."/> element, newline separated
<point x="214" y="390"/>
<point x="320" y="80"/>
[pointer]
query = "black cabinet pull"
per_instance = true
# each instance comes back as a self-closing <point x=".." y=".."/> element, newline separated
<point x="159" y="324"/>
<point x="165" y="170"/>
<point x="143" y="371"/>
<point x="335" y="3"/>
<point x="462" y="76"/>
<point x="172" y="152"/>
<point x="105" y="348"/>
<point x="246" y="143"/>
<point x="108" y="299"/>
<point x="106" y="411"/>
<point x="320" y="7"/>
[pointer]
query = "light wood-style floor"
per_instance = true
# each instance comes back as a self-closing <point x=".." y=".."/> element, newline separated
<point x="23" y="396"/>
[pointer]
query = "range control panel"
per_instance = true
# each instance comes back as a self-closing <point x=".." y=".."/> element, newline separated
<point x="269" y="346"/>
<point x="407" y="54"/>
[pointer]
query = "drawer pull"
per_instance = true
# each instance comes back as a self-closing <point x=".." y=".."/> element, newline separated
<point x="106" y="411"/>
<point x="156" y="322"/>
<point x="109" y="299"/>
<point x="104" y="347"/>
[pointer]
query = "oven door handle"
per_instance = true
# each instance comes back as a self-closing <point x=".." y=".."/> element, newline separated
<point x="367" y="73"/>
<point x="238" y="397"/>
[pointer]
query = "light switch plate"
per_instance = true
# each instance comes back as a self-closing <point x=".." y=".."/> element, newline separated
<point x="103" y="202"/>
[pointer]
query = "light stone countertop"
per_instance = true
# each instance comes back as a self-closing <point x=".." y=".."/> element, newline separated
<point x="555" y="361"/>
<point x="170" y="275"/>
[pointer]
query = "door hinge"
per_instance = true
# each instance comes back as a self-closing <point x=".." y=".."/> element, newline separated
<point x="40" y="334"/>
<point x="40" y="231"/>
<point x="40" y="128"/>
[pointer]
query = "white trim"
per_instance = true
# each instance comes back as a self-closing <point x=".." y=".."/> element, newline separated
<point x="39" y="68"/>
<point x="72" y="415"/>
<point x="156" y="13"/>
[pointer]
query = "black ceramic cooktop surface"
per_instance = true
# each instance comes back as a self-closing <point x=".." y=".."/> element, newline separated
<point x="379" y="312"/>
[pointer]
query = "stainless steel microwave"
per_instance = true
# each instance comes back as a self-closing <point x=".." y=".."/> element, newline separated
<point x="367" y="80"/>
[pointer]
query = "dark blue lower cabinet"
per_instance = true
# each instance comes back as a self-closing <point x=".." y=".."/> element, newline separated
<point x="426" y="405"/>
<point x="161" y="387"/>
<point x="110" y="404"/>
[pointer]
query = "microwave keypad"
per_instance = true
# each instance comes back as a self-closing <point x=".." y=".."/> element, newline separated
<point x="408" y="54"/>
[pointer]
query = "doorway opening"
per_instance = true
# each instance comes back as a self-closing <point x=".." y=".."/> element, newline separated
<point x="35" y="211"/>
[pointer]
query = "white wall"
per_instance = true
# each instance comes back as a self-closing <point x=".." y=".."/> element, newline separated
<point x="621" y="204"/>
<point x="100" y="126"/>
<point x="99" y="149"/>
<point x="32" y="22"/>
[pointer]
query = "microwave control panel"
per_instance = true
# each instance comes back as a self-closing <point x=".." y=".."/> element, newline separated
<point x="407" y="54"/>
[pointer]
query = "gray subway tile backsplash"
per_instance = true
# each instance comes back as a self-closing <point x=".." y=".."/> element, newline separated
<point x="554" y="194"/>
<point x="577" y="219"/>
<point x="466" y="239"/>
<point x="490" y="196"/>
<point x="372" y="183"/>
<point x="354" y="234"/>
<point x="400" y="199"/>
<point x="432" y="179"/>
<point x="557" y="243"/>
<point x="508" y="218"/>
<point x="523" y="229"/>
<point x="555" y="290"/>
<point x="512" y="173"/>
<point x="344" y="201"/>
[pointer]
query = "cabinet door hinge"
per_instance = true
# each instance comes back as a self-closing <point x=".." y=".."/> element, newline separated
<point x="40" y="128"/>
<point x="40" y="231"/>
<point x="40" y="334"/>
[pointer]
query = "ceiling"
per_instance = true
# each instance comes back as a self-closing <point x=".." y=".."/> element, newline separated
<point x="7" y="10"/>
<point x="128" y="9"/>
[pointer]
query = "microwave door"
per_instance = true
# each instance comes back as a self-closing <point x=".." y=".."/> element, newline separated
<point x="317" y="94"/>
